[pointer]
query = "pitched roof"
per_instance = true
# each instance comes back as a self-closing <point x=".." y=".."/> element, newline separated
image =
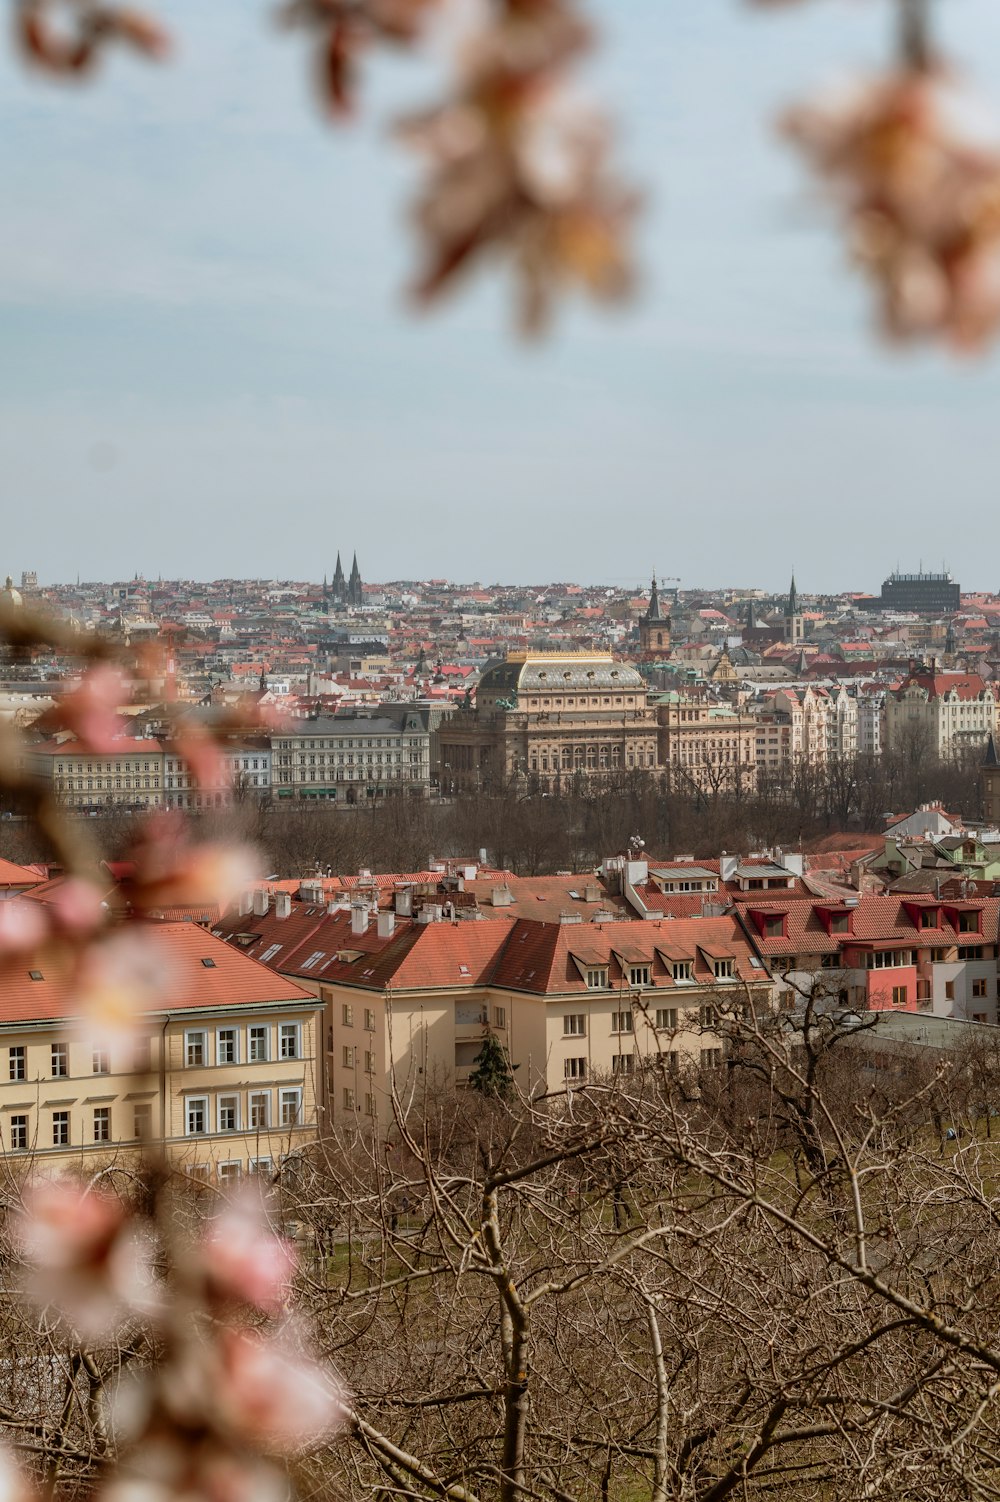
<point x="180" y="949"/>
<point x="13" y="875"/>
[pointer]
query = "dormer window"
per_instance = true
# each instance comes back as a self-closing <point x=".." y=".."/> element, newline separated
<point x="597" y="979"/>
<point x="638" y="975"/>
<point x="928" y="918"/>
<point x="723" y="969"/>
<point x="968" y="923"/>
<point x="840" y="923"/>
<point x="682" y="970"/>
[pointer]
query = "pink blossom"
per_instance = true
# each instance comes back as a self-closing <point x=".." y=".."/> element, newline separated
<point x="271" y="1396"/>
<point x="24" y="927"/>
<point x="122" y="976"/>
<point x="77" y="907"/>
<point x="914" y="160"/>
<point x="91" y="709"/>
<point x="243" y="1260"/>
<point x="84" y="1253"/>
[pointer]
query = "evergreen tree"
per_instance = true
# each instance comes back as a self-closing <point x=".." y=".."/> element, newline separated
<point x="492" y="1074"/>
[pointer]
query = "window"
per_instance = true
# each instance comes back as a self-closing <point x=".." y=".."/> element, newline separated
<point x="708" y="1016"/>
<point x="196" y="1049"/>
<point x="949" y="990"/>
<point x="18" y="1056"/>
<point x="347" y="1015"/>
<point x="260" y="1110"/>
<point x="682" y="970"/>
<point x="369" y="1105"/>
<point x="226" y="1046"/>
<point x="102" y="1123"/>
<point x="289" y="1041"/>
<point x="621" y="1063"/>
<point x="369" y="1020"/>
<point x="666" y="1018"/>
<point x="711" y="1058"/>
<point x="142" y="1053"/>
<point x="499" y="1016"/>
<point x="348" y="1101"/>
<point x="258" y="1041"/>
<point x="621" y="1022"/>
<point x="101" y="1059"/>
<point x="260" y="1165"/>
<point x="348" y="1056"/>
<point x="60" y="1061"/>
<point x="369" y="1062"/>
<point x="208" y="964"/>
<point x="229" y="1113"/>
<point x="638" y="975"/>
<point x="970" y="952"/>
<point x="574" y="1069"/>
<point x="575" y="1025"/>
<point x="229" y="1173"/>
<point x="196" y="1116"/>
<point x="723" y="969"/>
<point x="979" y="988"/>
<point x="968" y="923"/>
<point x="142" y="1121"/>
<point x="291" y="1106"/>
<point x="597" y="980"/>
<point x="60" y="1129"/>
<point x="899" y="996"/>
<point x="18" y="1134"/>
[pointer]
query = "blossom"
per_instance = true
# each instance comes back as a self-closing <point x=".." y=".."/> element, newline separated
<point x="914" y="160"/>
<point x="24" y="926"/>
<point x="85" y="1255"/>
<point x="244" y="1261"/>
<point x="91" y="709"/>
<point x="271" y="1396"/>
<point x="346" y="28"/>
<point x="169" y="869"/>
<point x="122" y="976"/>
<point x="521" y="166"/>
<point x="74" y="48"/>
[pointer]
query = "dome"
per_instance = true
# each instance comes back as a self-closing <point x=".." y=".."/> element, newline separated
<point x="9" y="594"/>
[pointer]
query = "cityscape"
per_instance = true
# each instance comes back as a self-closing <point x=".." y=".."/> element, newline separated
<point x="499" y="752"/>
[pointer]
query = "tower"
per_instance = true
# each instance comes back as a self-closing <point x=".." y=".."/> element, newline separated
<point x="794" y="624"/>
<point x="338" y="589"/>
<point x="654" y="626"/>
<point x="989" y="781"/>
<point x="355" y="589"/>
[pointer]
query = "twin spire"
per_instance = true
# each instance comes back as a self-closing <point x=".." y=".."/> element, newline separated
<point x="346" y="591"/>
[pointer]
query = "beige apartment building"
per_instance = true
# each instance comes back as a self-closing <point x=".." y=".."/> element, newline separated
<point x="545" y="718"/>
<point x="706" y="747"/>
<point x="131" y="774"/>
<point x="570" y="1001"/>
<point x="223" y="1070"/>
<point x="940" y="713"/>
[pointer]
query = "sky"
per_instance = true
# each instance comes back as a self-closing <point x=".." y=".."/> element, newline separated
<point x="207" y="366"/>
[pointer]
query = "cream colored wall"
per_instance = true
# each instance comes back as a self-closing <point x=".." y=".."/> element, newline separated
<point x="166" y="1087"/>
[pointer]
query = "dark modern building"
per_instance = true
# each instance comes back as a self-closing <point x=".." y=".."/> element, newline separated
<point x="924" y="594"/>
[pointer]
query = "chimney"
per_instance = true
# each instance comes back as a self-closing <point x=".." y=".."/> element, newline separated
<point x="245" y="904"/>
<point x="359" y="917"/>
<point x="482" y="855"/>
<point x="500" y="896"/>
<point x="282" y="904"/>
<point x="386" y="922"/>
<point x="260" y="902"/>
<point x="728" y="866"/>
<point x="404" y="902"/>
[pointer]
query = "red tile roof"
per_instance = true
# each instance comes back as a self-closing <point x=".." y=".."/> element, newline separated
<point x="231" y="980"/>
<point x="12" y="875"/>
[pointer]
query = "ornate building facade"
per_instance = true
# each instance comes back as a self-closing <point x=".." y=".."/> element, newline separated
<point x="545" y="718"/>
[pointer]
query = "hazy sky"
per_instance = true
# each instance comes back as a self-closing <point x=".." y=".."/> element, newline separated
<point x="205" y="369"/>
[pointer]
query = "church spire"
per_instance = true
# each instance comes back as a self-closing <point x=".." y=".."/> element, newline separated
<point x="793" y="600"/>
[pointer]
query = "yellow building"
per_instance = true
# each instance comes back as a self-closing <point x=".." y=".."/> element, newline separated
<point x="547" y="718"/>
<point x="706" y="747"/>
<point x="224" y="1071"/>
<point x="131" y="774"/>
<point x="569" y="1001"/>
